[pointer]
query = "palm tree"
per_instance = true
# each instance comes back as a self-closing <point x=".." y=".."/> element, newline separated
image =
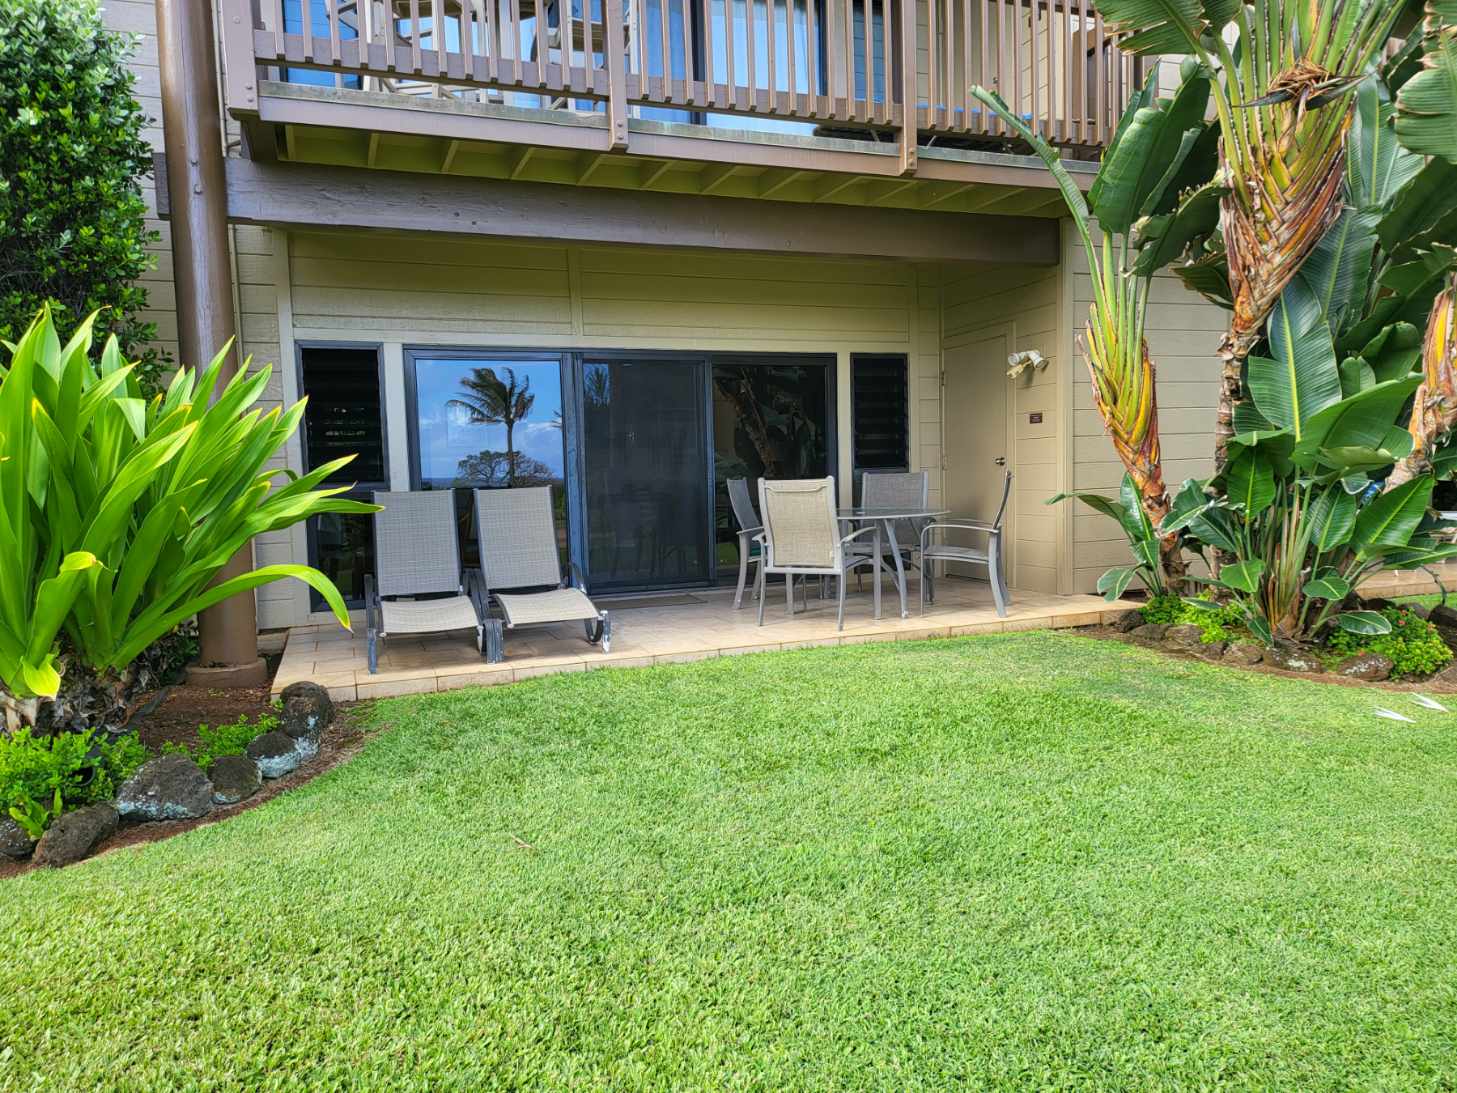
<point x="1284" y="105"/>
<point x="491" y="400"/>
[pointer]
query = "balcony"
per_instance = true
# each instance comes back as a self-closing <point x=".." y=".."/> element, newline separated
<point x="790" y="99"/>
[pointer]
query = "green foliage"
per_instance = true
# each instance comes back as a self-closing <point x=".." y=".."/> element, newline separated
<point x="1143" y="538"/>
<point x="1216" y="622"/>
<point x="72" y="217"/>
<point x="1413" y="645"/>
<point x="230" y="739"/>
<point x="117" y="512"/>
<point x="54" y="774"/>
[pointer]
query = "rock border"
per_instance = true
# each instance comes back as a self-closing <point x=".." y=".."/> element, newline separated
<point x="172" y="787"/>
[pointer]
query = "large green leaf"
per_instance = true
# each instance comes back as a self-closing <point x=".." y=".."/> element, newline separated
<point x="1339" y="268"/>
<point x="1331" y="517"/>
<point x="1164" y="237"/>
<point x="1364" y="623"/>
<point x="1417" y="206"/>
<point x="1243" y="576"/>
<point x="1359" y="421"/>
<point x="1249" y="481"/>
<point x="1389" y="522"/>
<point x="1377" y="165"/>
<point x="1301" y="377"/>
<point x="1426" y="120"/>
<point x="1139" y="166"/>
<point x="1165" y="26"/>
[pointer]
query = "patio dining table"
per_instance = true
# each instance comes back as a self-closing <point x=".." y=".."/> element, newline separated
<point x="886" y="518"/>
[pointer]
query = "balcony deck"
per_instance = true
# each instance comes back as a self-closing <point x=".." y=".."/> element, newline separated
<point x="822" y="97"/>
<point x="663" y="629"/>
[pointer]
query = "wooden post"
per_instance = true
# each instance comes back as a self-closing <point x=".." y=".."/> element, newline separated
<point x="240" y="87"/>
<point x="197" y="198"/>
<point x="614" y="52"/>
<point x="908" y="86"/>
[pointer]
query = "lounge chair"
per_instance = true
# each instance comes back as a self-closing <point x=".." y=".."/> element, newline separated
<point x="751" y="535"/>
<point x="418" y="586"/>
<point x="518" y="540"/>
<point x="803" y="537"/>
<point x="933" y="551"/>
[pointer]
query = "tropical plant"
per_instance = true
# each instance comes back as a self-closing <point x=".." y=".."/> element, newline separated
<point x="1413" y="645"/>
<point x="491" y="400"/>
<point x="116" y="513"/>
<point x="1282" y="91"/>
<point x="43" y="776"/>
<point x="231" y="738"/>
<point x="73" y="151"/>
<point x="1159" y="146"/>
<point x="1426" y="119"/>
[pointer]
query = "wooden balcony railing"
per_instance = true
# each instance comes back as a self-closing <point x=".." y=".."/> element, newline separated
<point x="883" y="69"/>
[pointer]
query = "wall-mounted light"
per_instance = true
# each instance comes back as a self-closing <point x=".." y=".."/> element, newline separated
<point x="1024" y="359"/>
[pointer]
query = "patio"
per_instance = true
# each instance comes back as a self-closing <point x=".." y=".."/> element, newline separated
<point x="658" y="629"/>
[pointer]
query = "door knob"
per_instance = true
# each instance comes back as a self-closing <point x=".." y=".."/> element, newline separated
<point x="1000" y="461"/>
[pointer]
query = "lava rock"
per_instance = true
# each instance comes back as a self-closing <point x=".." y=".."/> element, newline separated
<point x="307" y="709"/>
<point x="1184" y="636"/>
<point x="1209" y="650"/>
<point x="276" y="754"/>
<point x="170" y="787"/>
<point x="1150" y="633"/>
<point x="1244" y="652"/>
<point x="1128" y="622"/>
<point x="307" y="747"/>
<point x="1372" y="667"/>
<point x="1443" y="616"/>
<point x="14" y="842"/>
<point x="74" y="835"/>
<point x="1292" y="659"/>
<point x="1375" y="603"/>
<point x="1420" y="610"/>
<point x="234" y="778"/>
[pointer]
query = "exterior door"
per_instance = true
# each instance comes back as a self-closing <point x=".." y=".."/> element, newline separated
<point x="975" y="436"/>
<point x="646" y="496"/>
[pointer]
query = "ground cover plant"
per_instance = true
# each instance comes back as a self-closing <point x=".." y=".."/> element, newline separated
<point x="993" y="861"/>
<point x="226" y="739"/>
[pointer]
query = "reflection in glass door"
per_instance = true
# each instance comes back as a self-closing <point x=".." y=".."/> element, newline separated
<point x="772" y="418"/>
<point x="644" y="460"/>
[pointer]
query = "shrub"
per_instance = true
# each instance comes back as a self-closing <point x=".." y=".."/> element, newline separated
<point x="72" y="218"/>
<point x="1414" y="646"/>
<point x="43" y="776"/>
<point x="116" y="514"/>
<point x="230" y="739"/>
<point x="1215" y="623"/>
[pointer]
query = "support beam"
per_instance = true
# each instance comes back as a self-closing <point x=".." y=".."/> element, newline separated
<point x="711" y="178"/>
<point x="303" y="196"/>
<point x="451" y="150"/>
<point x="201" y="268"/>
<point x="590" y="163"/>
<point x="651" y="174"/>
<point x="786" y="178"/>
<point x="521" y="159"/>
<point x="836" y="186"/>
<point x="371" y="151"/>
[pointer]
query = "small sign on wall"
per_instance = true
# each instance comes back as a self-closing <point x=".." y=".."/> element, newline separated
<point x="1035" y="417"/>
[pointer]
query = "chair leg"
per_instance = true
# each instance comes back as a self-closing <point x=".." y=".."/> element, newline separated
<point x="840" y="612"/>
<point x="789" y="593"/>
<point x="994" y="571"/>
<point x="606" y="631"/>
<point x="743" y="576"/>
<point x="373" y="652"/>
<point x="762" y="594"/>
<point x="495" y="641"/>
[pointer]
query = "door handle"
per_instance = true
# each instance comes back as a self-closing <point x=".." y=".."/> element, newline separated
<point x="1000" y="461"/>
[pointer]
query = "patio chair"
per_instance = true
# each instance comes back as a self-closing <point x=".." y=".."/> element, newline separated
<point x="802" y="538"/>
<point x="517" y="530"/>
<point x="991" y="557"/>
<point x="418" y="586"/>
<point x="892" y="489"/>
<point x="751" y="536"/>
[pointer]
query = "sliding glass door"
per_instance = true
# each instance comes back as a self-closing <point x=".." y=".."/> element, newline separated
<point x="644" y="461"/>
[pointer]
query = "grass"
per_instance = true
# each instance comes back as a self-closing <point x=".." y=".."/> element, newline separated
<point x="1016" y="860"/>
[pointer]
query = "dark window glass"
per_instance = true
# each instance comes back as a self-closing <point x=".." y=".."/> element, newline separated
<point x="343" y="418"/>
<point x="490" y="423"/>
<point x="770" y="420"/>
<point x="881" y="424"/>
<point x="645" y="456"/>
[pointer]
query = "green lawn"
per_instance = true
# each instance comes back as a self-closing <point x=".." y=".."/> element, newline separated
<point x="1031" y="859"/>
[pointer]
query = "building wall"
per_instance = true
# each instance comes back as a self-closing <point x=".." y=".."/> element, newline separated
<point x="404" y="290"/>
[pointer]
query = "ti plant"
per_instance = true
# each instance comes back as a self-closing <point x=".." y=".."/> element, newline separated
<point x="1282" y="94"/>
<point x="116" y="513"/>
<point x="1160" y="144"/>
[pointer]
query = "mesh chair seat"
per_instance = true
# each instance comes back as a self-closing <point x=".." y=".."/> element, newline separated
<point x="557" y="605"/>
<point x="428" y="616"/>
<point x="946" y="552"/>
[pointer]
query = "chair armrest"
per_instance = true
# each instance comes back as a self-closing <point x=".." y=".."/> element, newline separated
<point x="960" y="525"/>
<point x="871" y="529"/>
<point x="574" y="577"/>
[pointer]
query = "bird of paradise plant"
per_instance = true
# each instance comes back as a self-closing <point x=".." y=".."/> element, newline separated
<point x="1283" y="103"/>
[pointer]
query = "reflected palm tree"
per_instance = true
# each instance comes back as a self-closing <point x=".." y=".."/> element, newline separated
<point x="491" y="400"/>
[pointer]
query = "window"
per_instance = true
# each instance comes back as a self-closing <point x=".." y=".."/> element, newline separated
<point x="344" y="417"/>
<point x="311" y="17"/>
<point x="881" y="421"/>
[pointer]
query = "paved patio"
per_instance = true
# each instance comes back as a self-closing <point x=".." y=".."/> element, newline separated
<point x="662" y="629"/>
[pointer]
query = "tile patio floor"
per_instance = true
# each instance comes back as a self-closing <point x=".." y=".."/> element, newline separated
<point x="647" y="632"/>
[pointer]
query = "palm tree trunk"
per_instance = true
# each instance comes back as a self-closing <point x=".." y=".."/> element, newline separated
<point x="510" y="453"/>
